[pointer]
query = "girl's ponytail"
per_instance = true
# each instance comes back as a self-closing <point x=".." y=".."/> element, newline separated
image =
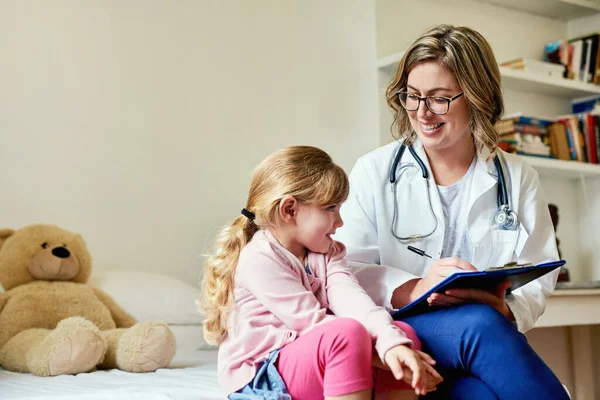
<point x="219" y="271"/>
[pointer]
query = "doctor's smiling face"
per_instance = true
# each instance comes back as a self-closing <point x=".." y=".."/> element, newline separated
<point x="437" y="131"/>
<point x="454" y="63"/>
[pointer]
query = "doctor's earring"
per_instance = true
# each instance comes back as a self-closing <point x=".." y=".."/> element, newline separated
<point x="505" y="219"/>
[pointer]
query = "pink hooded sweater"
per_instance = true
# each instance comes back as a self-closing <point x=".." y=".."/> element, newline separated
<point x="275" y="301"/>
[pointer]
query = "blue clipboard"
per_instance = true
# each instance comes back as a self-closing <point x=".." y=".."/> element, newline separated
<point x="518" y="274"/>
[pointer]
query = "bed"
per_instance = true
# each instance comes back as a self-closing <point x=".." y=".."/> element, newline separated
<point x="192" y="373"/>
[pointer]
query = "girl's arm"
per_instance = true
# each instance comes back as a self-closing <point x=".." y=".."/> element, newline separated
<point x="280" y="290"/>
<point x="348" y="299"/>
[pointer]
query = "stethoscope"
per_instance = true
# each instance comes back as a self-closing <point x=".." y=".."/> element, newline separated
<point x="504" y="218"/>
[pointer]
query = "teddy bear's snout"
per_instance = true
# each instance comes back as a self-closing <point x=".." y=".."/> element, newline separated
<point x="53" y="264"/>
<point x="61" y="252"/>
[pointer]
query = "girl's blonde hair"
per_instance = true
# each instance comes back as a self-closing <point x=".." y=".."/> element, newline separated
<point x="305" y="172"/>
<point x="469" y="57"/>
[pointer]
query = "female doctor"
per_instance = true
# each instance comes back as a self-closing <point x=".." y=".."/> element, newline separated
<point x="445" y="188"/>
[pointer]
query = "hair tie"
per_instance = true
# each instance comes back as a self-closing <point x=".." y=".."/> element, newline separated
<point x="248" y="214"/>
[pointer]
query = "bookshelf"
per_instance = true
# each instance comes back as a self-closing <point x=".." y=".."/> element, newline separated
<point x="564" y="10"/>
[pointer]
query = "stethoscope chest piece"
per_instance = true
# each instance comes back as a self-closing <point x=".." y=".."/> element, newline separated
<point x="505" y="219"/>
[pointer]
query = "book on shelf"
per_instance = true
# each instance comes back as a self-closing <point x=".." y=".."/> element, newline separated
<point x="580" y="55"/>
<point x="574" y="66"/>
<point x="590" y="104"/>
<point x="569" y="137"/>
<point x="577" y="137"/>
<point x="525" y="143"/>
<point x="524" y="153"/>
<point x="536" y="66"/>
<point x="559" y="144"/>
<point x="586" y="127"/>
<point x="557" y="52"/>
<point x="520" y="118"/>
<point x="504" y="129"/>
<point x="523" y="134"/>
<point x="585" y="58"/>
<point x="521" y="123"/>
<point x="582" y="134"/>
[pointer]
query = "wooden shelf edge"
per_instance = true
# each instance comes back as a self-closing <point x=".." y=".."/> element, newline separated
<point x="574" y="168"/>
<point x="569" y="84"/>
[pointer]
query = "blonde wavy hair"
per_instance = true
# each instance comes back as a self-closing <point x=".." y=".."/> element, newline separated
<point x="305" y="172"/>
<point x="469" y="57"/>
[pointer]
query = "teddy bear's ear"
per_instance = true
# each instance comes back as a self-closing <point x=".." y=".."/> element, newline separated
<point x="5" y="234"/>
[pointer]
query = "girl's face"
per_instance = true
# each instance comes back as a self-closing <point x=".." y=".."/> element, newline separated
<point x="315" y="225"/>
<point x="438" y="132"/>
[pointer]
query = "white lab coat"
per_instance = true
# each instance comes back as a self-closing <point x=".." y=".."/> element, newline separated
<point x="383" y="263"/>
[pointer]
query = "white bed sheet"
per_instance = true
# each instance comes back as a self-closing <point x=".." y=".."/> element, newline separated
<point x="192" y="376"/>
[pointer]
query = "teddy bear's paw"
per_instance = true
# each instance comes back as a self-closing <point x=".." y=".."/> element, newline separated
<point x="74" y="346"/>
<point x="146" y="347"/>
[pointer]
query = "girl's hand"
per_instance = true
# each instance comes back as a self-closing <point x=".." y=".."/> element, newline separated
<point x="433" y="377"/>
<point x="414" y="367"/>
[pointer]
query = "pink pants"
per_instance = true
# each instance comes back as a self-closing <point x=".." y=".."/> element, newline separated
<point x="334" y="359"/>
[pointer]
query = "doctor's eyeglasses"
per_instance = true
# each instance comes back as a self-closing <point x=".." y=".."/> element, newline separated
<point x="436" y="104"/>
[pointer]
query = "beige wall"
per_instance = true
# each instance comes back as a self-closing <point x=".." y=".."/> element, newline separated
<point x="512" y="34"/>
<point x="584" y="25"/>
<point x="137" y="122"/>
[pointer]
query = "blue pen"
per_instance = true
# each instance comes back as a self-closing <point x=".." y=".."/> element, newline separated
<point x="421" y="252"/>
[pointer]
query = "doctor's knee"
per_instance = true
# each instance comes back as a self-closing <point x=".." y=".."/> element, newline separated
<point x="482" y="318"/>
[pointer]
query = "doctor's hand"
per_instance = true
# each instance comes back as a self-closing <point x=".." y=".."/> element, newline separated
<point x="438" y="271"/>
<point x="441" y="269"/>
<point x="495" y="299"/>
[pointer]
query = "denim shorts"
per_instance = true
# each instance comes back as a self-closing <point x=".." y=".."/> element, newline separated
<point x="266" y="385"/>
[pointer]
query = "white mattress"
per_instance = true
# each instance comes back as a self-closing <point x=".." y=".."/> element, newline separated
<point x="192" y="376"/>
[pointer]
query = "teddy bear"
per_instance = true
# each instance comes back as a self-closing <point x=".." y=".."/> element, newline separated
<point x="53" y="323"/>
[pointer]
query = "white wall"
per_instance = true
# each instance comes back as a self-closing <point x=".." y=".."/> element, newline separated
<point x="512" y="34"/>
<point x="583" y="26"/>
<point x="137" y="122"/>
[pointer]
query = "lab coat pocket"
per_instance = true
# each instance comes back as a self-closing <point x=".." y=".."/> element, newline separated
<point x="505" y="244"/>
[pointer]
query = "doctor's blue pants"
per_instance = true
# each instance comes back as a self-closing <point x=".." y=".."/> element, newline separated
<point x="482" y="355"/>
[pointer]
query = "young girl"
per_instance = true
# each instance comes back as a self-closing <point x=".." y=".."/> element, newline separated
<point x="285" y="310"/>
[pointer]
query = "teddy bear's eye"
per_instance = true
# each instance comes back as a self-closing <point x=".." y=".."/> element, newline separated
<point x="44" y="245"/>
